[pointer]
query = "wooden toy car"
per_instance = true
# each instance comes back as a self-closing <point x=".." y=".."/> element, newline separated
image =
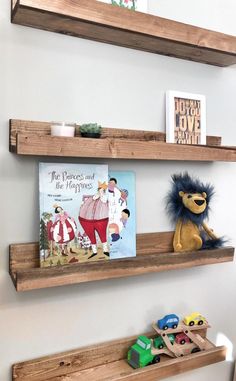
<point x="181" y="338"/>
<point x="168" y="321"/>
<point x="195" y="318"/>
<point x="159" y="343"/>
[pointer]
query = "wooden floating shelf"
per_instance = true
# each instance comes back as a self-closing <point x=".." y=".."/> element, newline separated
<point x="33" y="138"/>
<point x="107" y="362"/>
<point x="154" y="254"/>
<point x="105" y="23"/>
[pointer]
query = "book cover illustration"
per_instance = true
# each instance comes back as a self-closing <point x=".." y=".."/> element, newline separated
<point x="186" y="118"/>
<point x="136" y="5"/>
<point x="74" y="213"/>
<point x="122" y="218"/>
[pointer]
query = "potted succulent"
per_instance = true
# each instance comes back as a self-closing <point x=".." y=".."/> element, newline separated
<point x="90" y="130"/>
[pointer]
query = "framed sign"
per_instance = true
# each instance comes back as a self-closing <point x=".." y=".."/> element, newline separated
<point x="136" y="5"/>
<point x="185" y="118"/>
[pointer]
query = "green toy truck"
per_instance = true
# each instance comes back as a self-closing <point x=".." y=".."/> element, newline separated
<point x="140" y="354"/>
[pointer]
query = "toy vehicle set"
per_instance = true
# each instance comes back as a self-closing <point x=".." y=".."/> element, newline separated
<point x="194" y="318"/>
<point x="174" y="339"/>
<point x="159" y="343"/>
<point x="168" y="321"/>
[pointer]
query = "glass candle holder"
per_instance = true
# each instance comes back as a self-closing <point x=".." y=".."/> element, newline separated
<point x="63" y="129"/>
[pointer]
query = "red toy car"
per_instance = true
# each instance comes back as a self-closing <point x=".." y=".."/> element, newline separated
<point x="181" y="338"/>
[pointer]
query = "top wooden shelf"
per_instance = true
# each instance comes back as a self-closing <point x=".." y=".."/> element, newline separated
<point x="97" y="21"/>
<point x="33" y="138"/>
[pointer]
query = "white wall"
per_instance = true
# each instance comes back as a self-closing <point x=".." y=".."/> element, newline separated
<point x="46" y="76"/>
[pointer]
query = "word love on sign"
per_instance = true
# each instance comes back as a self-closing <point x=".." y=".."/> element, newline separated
<point x="187" y="121"/>
<point x="185" y="118"/>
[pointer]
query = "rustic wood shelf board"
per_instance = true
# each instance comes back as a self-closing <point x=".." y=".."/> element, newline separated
<point x="25" y="127"/>
<point x="96" y="21"/>
<point x="154" y="254"/>
<point x="107" y="362"/>
<point x="33" y="138"/>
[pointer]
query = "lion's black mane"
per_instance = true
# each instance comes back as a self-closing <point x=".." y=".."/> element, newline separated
<point x="174" y="205"/>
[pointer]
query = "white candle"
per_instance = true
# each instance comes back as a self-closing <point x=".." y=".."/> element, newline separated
<point x="63" y="129"/>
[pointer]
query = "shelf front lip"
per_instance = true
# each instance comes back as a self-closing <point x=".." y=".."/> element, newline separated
<point x="159" y="371"/>
<point x="114" y="22"/>
<point x="36" y="278"/>
<point x="112" y="148"/>
<point x="136" y="24"/>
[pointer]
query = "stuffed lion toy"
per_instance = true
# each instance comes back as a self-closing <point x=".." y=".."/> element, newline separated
<point x="188" y="206"/>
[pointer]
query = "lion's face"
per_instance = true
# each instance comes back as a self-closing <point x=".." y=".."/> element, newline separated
<point x="195" y="202"/>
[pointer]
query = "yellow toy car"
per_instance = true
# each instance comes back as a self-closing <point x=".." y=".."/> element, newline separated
<point x="195" y="318"/>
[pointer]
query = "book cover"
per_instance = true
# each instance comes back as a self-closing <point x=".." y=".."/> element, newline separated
<point x="136" y="5"/>
<point x="185" y="118"/>
<point x="122" y="217"/>
<point x="74" y="213"/>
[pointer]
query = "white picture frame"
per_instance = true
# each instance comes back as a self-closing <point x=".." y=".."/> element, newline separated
<point x="141" y="5"/>
<point x="185" y="118"/>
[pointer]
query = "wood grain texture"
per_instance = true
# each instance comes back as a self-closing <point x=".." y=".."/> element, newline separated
<point x="107" y="362"/>
<point x="75" y="360"/>
<point x="119" y="371"/>
<point x="102" y="22"/>
<point x="26" y="255"/>
<point x="38" y="145"/>
<point x="27" y="127"/>
<point x="32" y="138"/>
<point x="28" y="276"/>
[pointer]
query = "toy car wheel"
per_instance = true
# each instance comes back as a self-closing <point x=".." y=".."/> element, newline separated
<point x="174" y="326"/>
<point x="191" y="323"/>
<point x="182" y="342"/>
<point x="200" y="322"/>
<point x="195" y="350"/>
<point x="156" y="359"/>
<point x="160" y="346"/>
<point x="165" y="327"/>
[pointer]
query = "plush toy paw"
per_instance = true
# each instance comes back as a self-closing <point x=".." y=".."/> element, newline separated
<point x="178" y="247"/>
<point x="198" y="241"/>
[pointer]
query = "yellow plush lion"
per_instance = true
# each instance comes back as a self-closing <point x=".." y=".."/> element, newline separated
<point x="188" y="207"/>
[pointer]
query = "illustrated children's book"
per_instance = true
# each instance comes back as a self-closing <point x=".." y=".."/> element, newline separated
<point x="136" y="5"/>
<point x="122" y="219"/>
<point x="74" y="213"/>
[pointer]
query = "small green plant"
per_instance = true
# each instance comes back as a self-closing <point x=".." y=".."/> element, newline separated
<point x="90" y="130"/>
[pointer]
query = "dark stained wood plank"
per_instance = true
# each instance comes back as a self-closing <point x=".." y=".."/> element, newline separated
<point x="156" y="243"/>
<point x="106" y="362"/>
<point x="44" y="128"/>
<point x="119" y="371"/>
<point x="166" y="369"/>
<point x="75" y="360"/>
<point x="101" y="22"/>
<point x="34" y="278"/>
<point x="46" y="145"/>
<point x="26" y="255"/>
